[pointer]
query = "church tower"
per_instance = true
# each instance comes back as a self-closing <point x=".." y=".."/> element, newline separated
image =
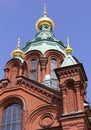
<point x="44" y="86"/>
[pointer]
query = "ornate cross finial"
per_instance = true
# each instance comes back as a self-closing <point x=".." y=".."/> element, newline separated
<point x="18" y="46"/>
<point x="68" y="50"/>
<point x="45" y="10"/>
<point x="68" y="41"/>
<point x="44" y="7"/>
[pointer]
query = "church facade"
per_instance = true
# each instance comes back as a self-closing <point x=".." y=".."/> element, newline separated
<point x="44" y="86"/>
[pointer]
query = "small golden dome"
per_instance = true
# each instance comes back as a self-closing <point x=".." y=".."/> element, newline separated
<point x="44" y="20"/>
<point x="68" y="49"/>
<point x="18" y="52"/>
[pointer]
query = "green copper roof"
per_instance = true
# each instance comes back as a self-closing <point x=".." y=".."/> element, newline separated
<point x="44" y="41"/>
<point x="69" y="60"/>
<point x="44" y="46"/>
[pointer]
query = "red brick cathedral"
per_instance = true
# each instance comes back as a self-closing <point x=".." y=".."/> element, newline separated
<point x="44" y="86"/>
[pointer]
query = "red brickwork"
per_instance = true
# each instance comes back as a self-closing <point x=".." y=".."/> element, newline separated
<point x="43" y="107"/>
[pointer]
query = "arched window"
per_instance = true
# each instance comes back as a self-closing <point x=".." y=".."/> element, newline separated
<point x="12" y="117"/>
<point x="53" y="75"/>
<point x="33" y="69"/>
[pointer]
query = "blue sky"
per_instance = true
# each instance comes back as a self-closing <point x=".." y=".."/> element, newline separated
<point x="71" y="17"/>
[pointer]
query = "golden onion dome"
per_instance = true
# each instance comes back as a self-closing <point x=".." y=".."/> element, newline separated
<point x="18" y="52"/>
<point x="68" y="49"/>
<point x="44" y="20"/>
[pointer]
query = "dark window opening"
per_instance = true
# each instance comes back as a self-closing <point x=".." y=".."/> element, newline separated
<point x="12" y="117"/>
<point x="53" y="75"/>
<point x="33" y="69"/>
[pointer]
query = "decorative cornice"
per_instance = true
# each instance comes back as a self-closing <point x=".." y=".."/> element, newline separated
<point x="29" y="85"/>
<point x="73" y="119"/>
<point x="4" y="83"/>
<point x="67" y="73"/>
<point x="38" y="88"/>
<point x="71" y="115"/>
<point x="70" y="71"/>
